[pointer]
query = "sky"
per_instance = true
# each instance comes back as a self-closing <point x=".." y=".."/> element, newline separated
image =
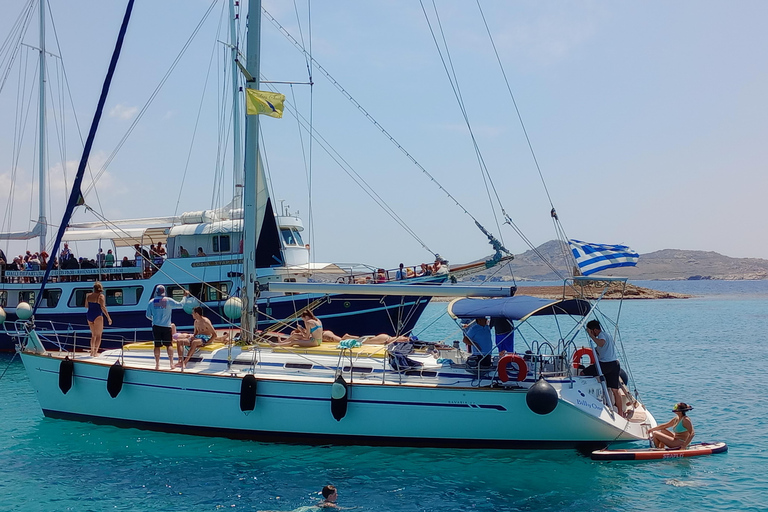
<point x="648" y="121"/>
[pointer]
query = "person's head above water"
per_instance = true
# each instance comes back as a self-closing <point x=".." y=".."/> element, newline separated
<point x="329" y="493"/>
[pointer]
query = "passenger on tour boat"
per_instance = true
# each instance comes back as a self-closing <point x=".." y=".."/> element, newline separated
<point x="183" y="253"/>
<point x="677" y="432"/>
<point x="200" y="253"/>
<point x="96" y="310"/>
<point x="203" y="334"/>
<point x="401" y="274"/>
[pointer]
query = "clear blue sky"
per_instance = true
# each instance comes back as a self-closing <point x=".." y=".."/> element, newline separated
<point x="648" y="121"/>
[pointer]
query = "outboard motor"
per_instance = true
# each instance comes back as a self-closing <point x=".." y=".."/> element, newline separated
<point x="541" y="397"/>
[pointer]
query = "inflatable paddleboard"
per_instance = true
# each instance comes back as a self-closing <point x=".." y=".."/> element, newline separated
<point x="693" y="450"/>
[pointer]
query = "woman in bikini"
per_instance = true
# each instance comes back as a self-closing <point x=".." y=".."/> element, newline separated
<point x="681" y="431"/>
<point x="96" y="310"/>
<point x="311" y="335"/>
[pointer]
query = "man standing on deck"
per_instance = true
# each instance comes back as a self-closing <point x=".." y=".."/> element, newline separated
<point x="477" y="336"/>
<point x="609" y="361"/>
<point x="159" y="312"/>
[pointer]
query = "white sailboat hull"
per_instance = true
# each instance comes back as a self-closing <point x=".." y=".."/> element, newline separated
<point x="299" y="410"/>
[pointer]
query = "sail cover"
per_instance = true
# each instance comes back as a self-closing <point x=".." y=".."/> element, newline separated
<point x="593" y="258"/>
<point x="518" y="308"/>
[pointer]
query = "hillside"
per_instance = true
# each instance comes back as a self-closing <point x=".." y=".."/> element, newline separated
<point x="667" y="264"/>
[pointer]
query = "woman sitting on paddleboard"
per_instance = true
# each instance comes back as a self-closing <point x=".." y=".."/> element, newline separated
<point x="677" y="432"/>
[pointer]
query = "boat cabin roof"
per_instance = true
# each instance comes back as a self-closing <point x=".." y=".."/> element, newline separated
<point x="122" y="237"/>
<point x="518" y="308"/>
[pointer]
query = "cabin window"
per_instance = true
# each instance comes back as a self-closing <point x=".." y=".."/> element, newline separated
<point x="28" y="297"/>
<point x="3" y="299"/>
<point x="114" y="297"/>
<point x="291" y="237"/>
<point x="216" y="292"/>
<point x="175" y="292"/>
<point x="51" y="298"/>
<point x="221" y="243"/>
<point x="77" y="300"/>
<point x="122" y="296"/>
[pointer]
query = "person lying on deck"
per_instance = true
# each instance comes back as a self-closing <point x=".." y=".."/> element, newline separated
<point x="379" y="339"/>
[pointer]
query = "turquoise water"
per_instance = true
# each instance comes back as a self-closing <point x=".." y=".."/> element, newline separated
<point x="709" y="351"/>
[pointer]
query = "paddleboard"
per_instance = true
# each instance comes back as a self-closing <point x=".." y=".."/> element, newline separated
<point x="693" y="450"/>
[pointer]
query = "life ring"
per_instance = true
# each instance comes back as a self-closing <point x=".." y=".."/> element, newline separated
<point x="522" y="367"/>
<point x="583" y="351"/>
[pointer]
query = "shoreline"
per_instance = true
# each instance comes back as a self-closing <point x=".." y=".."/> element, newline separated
<point x="591" y="292"/>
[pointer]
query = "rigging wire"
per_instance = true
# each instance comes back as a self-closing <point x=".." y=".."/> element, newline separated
<point x="559" y="230"/>
<point x="454" y="81"/>
<point x="152" y="97"/>
<point x="308" y="166"/>
<point x="354" y="175"/>
<point x="365" y="113"/>
<point x="194" y="130"/>
<point x="12" y="43"/>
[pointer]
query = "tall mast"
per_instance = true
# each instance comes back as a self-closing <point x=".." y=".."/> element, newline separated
<point x="237" y="164"/>
<point x="41" y="220"/>
<point x="250" y="185"/>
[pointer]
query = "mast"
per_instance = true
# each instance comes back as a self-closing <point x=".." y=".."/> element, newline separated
<point x="41" y="220"/>
<point x="237" y="164"/>
<point x="251" y="221"/>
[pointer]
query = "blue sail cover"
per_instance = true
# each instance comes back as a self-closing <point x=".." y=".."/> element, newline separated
<point x="517" y="308"/>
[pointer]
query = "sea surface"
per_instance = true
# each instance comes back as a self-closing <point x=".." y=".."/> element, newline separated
<point x="709" y="351"/>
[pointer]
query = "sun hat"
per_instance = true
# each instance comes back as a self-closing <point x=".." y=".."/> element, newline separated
<point x="682" y="406"/>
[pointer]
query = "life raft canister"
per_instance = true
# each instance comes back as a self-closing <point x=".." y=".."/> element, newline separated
<point x="522" y="367"/>
<point x="583" y="351"/>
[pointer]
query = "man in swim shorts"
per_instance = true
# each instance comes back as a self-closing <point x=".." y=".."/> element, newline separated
<point x="609" y="361"/>
<point x="159" y="312"/>
<point x="203" y="334"/>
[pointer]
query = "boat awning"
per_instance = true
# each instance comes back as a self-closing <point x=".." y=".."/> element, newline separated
<point x="122" y="237"/>
<point x="519" y="307"/>
<point x="319" y="268"/>
<point x="209" y="228"/>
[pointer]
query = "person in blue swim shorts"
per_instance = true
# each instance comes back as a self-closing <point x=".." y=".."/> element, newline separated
<point x="203" y="334"/>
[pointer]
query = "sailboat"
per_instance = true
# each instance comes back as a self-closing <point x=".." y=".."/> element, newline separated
<point x="356" y="390"/>
<point x="199" y="245"/>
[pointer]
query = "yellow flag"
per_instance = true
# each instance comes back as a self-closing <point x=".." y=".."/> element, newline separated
<point x="264" y="102"/>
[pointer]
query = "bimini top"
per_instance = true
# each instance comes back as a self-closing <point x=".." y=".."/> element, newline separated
<point x="519" y="307"/>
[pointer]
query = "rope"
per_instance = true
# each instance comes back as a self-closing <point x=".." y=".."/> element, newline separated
<point x="453" y="80"/>
<point x="8" y="365"/>
<point x="151" y="99"/>
<point x="365" y="113"/>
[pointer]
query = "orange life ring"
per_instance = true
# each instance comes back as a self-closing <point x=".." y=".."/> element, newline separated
<point x="522" y="367"/>
<point x="583" y="351"/>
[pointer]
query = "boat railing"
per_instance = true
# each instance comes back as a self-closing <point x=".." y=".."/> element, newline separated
<point x="45" y="329"/>
<point x="77" y="274"/>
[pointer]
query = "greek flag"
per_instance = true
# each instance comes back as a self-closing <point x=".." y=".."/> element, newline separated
<point x="593" y="258"/>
